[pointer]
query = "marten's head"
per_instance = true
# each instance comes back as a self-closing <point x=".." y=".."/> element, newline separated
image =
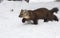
<point x="24" y="14"/>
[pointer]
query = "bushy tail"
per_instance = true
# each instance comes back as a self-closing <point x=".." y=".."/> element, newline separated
<point x="54" y="10"/>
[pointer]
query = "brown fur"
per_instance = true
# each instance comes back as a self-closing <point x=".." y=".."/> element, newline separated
<point x="41" y="13"/>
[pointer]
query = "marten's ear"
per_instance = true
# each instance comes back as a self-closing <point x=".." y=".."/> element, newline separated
<point x="26" y="11"/>
<point x="21" y="9"/>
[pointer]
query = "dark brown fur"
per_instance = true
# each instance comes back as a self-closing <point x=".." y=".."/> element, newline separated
<point x="41" y="13"/>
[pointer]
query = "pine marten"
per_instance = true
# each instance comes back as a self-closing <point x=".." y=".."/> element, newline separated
<point x="40" y="13"/>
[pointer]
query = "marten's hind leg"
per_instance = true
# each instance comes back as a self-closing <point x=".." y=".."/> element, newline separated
<point x="46" y="20"/>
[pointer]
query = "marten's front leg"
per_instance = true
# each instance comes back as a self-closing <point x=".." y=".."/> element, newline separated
<point x="23" y="20"/>
<point x="35" y="21"/>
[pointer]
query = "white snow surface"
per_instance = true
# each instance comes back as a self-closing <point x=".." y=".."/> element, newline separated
<point x="12" y="27"/>
<point x="41" y="0"/>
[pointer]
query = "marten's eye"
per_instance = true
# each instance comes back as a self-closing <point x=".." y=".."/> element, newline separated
<point x="21" y="14"/>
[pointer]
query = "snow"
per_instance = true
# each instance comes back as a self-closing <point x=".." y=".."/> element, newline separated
<point x="12" y="27"/>
<point x="41" y="0"/>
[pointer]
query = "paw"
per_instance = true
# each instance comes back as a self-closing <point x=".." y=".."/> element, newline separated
<point x="23" y="20"/>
